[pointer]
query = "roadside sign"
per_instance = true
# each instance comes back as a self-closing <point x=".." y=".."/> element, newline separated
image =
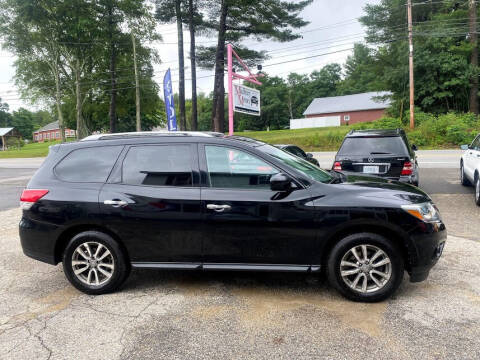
<point x="246" y="100"/>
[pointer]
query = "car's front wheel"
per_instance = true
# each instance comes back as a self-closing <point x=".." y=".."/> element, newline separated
<point x="477" y="190"/>
<point x="463" y="180"/>
<point x="94" y="263"/>
<point x="365" y="267"/>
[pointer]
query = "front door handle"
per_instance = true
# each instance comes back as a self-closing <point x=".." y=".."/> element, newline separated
<point x="115" y="203"/>
<point x="218" y="208"/>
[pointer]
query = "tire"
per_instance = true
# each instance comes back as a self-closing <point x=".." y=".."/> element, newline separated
<point x="477" y="190"/>
<point x="93" y="280"/>
<point x="350" y="287"/>
<point x="463" y="179"/>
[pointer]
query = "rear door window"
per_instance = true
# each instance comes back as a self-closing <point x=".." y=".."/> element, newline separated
<point x="88" y="164"/>
<point x="392" y="145"/>
<point x="158" y="165"/>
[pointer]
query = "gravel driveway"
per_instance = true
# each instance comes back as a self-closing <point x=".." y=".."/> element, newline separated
<point x="234" y="315"/>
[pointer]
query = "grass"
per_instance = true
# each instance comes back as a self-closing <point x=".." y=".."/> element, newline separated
<point x="315" y="139"/>
<point x="28" y="151"/>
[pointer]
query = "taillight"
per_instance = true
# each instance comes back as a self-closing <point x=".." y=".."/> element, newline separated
<point x="407" y="168"/>
<point x="337" y="166"/>
<point x="30" y="197"/>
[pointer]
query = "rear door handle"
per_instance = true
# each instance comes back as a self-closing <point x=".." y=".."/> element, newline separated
<point x="115" y="203"/>
<point x="218" y="208"/>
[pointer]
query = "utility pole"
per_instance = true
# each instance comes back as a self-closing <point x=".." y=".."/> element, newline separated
<point x="472" y="14"/>
<point x="137" y="86"/>
<point x="410" y="64"/>
<point x="193" y="62"/>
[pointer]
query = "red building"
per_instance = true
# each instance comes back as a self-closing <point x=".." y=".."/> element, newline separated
<point x="51" y="132"/>
<point x="350" y="109"/>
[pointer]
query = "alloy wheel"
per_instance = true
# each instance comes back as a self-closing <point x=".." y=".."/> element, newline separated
<point x="92" y="263"/>
<point x="365" y="268"/>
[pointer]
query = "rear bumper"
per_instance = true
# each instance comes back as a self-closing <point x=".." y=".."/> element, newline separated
<point x="424" y="251"/>
<point x="38" y="240"/>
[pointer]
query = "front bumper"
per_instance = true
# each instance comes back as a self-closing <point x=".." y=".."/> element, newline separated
<point x="425" y="249"/>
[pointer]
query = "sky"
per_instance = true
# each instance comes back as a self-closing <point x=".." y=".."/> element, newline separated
<point x="332" y="31"/>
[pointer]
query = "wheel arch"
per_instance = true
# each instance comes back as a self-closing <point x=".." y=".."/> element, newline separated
<point x="69" y="233"/>
<point x="396" y="235"/>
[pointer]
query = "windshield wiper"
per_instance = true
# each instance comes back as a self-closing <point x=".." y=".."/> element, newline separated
<point x="380" y="153"/>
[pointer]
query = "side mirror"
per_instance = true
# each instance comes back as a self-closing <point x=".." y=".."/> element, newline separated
<point x="464" y="147"/>
<point x="309" y="156"/>
<point x="414" y="147"/>
<point x="280" y="182"/>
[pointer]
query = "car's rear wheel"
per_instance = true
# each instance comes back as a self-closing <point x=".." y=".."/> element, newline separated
<point x="94" y="263"/>
<point x="365" y="267"/>
<point x="463" y="180"/>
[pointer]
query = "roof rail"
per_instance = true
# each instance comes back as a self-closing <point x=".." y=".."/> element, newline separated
<point x="137" y="134"/>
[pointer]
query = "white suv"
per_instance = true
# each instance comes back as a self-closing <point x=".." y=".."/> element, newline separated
<point x="470" y="167"/>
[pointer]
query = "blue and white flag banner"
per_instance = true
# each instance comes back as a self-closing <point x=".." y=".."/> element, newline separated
<point x="169" y="103"/>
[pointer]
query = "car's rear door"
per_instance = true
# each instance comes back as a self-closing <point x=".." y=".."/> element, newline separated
<point x="152" y="202"/>
<point x="247" y="224"/>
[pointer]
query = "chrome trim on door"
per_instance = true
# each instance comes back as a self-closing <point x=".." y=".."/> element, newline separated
<point x="167" y="265"/>
<point x="226" y="266"/>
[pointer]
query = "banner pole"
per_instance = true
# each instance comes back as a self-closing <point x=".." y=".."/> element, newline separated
<point x="230" y="89"/>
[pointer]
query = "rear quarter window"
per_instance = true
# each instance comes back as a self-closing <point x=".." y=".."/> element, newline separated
<point x="373" y="145"/>
<point x="88" y="164"/>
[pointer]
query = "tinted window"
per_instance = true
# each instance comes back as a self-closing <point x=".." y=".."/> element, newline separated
<point x="373" y="145"/>
<point x="163" y="165"/>
<point x="88" y="164"/>
<point x="296" y="151"/>
<point x="305" y="167"/>
<point x="231" y="168"/>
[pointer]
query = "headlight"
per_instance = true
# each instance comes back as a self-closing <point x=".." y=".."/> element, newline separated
<point x="426" y="211"/>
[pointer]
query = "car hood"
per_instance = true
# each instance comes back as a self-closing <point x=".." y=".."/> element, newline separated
<point x="364" y="190"/>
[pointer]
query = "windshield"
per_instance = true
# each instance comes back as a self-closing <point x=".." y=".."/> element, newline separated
<point x="373" y="145"/>
<point x="310" y="170"/>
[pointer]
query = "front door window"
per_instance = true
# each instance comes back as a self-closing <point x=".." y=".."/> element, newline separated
<point x="231" y="168"/>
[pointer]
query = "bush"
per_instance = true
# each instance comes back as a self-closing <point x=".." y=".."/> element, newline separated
<point x="15" y="143"/>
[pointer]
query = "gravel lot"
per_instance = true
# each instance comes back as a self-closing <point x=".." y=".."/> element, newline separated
<point x="234" y="315"/>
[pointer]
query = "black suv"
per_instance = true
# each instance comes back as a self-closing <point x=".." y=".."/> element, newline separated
<point x="209" y="202"/>
<point x="385" y="153"/>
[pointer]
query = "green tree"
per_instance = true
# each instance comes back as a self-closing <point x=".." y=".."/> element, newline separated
<point x="441" y="54"/>
<point x="23" y="121"/>
<point x="234" y="20"/>
<point x="30" y="30"/>
<point x="5" y="117"/>
<point x="169" y="11"/>
<point x="361" y="72"/>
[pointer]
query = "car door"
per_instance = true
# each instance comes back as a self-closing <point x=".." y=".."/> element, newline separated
<point x="249" y="225"/>
<point x="472" y="158"/>
<point x="152" y="202"/>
